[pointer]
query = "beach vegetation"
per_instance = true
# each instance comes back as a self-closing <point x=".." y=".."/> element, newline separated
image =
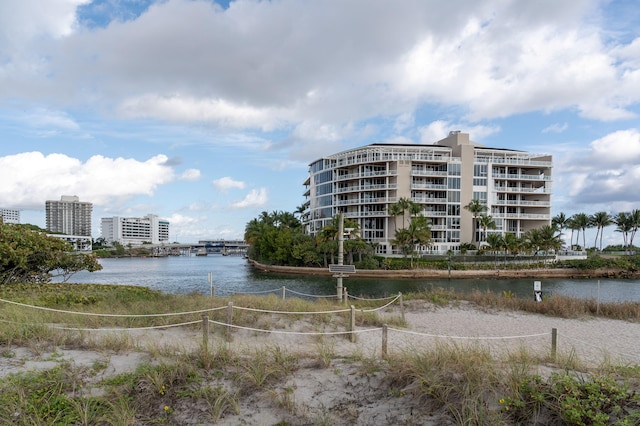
<point x="28" y="254"/>
<point x="464" y="382"/>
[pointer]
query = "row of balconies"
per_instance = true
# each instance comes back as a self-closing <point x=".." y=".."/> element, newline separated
<point x="521" y="177"/>
<point x="360" y="188"/>
<point x="540" y="190"/>
<point x="514" y="161"/>
<point x="527" y="216"/>
<point x="521" y="203"/>
<point x="359" y="175"/>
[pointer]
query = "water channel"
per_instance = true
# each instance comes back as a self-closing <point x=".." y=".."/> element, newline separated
<point x="232" y="274"/>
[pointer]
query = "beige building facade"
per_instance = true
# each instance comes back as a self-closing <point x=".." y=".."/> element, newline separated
<point x="362" y="183"/>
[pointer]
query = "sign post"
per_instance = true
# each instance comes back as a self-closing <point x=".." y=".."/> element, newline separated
<point x="537" y="291"/>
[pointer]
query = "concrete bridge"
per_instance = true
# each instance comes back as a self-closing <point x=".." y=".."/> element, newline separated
<point x="223" y="247"/>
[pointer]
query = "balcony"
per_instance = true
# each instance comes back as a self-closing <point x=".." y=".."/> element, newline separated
<point x="520" y="216"/>
<point x="522" y="203"/>
<point x="429" y="200"/>
<point x="359" y="175"/>
<point x="359" y="201"/>
<point x="428" y="173"/>
<point x="541" y="190"/>
<point x="360" y="188"/>
<point x="514" y="161"/>
<point x="428" y="186"/>
<point x="522" y="177"/>
<point x="366" y="214"/>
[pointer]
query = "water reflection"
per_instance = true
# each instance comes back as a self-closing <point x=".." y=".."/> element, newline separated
<point x="232" y="274"/>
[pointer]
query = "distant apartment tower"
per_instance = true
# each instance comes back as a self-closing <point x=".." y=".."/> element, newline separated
<point x="69" y="216"/>
<point x="135" y="230"/>
<point x="442" y="178"/>
<point x="9" y="215"/>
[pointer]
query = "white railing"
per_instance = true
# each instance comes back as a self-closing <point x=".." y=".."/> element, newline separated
<point x="365" y="188"/>
<point x="367" y="174"/>
<point x="521" y="177"/>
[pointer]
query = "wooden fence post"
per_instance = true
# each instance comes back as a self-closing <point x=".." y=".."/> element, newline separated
<point x="284" y="292"/>
<point x="345" y="296"/>
<point x="401" y="306"/>
<point x="554" y="343"/>
<point x="205" y="332"/>
<point x="385" y="329"/>
<point x="229" y="319"/>
<point x="352" y="324"/>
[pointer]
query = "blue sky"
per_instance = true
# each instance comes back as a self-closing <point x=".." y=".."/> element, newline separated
<point x="207" y="113"/>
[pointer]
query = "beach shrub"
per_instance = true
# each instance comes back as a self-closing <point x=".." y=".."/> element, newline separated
<point x="573" y="399"/>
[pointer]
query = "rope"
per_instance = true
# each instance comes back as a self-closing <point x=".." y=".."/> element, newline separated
<point x="381" y="307"/>
<point x="289" y="312"/>
<point x="101" y="329"/>
<point x="91" y="314"/>
<point x="152" y="327"/>
<point x="309" y="333"/>
<point x="469" y="337"/>
<point x="372" y="300"/>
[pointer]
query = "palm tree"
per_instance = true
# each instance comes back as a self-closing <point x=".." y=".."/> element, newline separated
<point x="600" y="220"/>
<point x="496" y="243"/>
<point x="486" y="222"/>
<point x="395" y="210"/>
<point x="404" y="204"/>
<point x="560" y="222"/>
<point x="475" y="207"/>
<point x="624" y="224"/>
<point x="635" y="224"/>
<point x="581" y="222"/>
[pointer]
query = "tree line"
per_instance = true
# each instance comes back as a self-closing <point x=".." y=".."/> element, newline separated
<point x="278" y="237"/>
<point x="627" y="223"/>
<point x="28" y="254"/>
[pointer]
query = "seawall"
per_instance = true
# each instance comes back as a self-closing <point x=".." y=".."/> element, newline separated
<point x="438" y="273"/>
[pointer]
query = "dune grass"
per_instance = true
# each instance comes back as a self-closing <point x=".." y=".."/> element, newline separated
<point x="472" y="385"/>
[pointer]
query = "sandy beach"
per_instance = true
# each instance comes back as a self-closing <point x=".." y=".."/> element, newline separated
<point x="326" y="391"/>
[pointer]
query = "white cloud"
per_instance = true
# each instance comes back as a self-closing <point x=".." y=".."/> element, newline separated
<point x="226" y="183"/>
<point x="44" y="118"/>
<point x="621" y="147"/>
<point x="271" y="65"/>
<point x="556" y="128"/>
<point x="190" y="175"/>
<point x="30" y="178"/>
<point x="255" y="198"/>
<point x="606" y="176"/>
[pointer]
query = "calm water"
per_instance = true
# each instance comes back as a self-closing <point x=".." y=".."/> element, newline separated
<point x="231" y="274"/>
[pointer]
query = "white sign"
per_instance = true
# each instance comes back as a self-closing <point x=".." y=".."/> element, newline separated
<point x="537" y="286"/>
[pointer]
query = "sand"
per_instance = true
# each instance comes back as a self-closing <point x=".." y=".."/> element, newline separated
<point x="341" y="394"/>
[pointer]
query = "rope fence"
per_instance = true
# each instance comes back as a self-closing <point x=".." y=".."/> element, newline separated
<point x="350" y="328"/>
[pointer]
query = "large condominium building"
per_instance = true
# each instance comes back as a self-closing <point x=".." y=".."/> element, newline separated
<point x="135" y="230"/>
<point x="362" y="184"/>
<point x="9" y="215"/>
<point x="69" y="216"/>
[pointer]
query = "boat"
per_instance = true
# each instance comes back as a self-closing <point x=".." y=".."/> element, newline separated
<point x="201" y="252"/>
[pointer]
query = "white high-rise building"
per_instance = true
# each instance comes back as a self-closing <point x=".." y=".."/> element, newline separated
<point x="10" y="215"/>
<point x="362" y="184"/>
<point x="135" y="230"/>
<point x="69" y="216"/>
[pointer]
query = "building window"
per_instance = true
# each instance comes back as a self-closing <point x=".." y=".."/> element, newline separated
<point x="454" y="183"/>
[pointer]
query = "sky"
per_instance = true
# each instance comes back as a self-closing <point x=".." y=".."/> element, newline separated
<point x="207" y="112"/>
